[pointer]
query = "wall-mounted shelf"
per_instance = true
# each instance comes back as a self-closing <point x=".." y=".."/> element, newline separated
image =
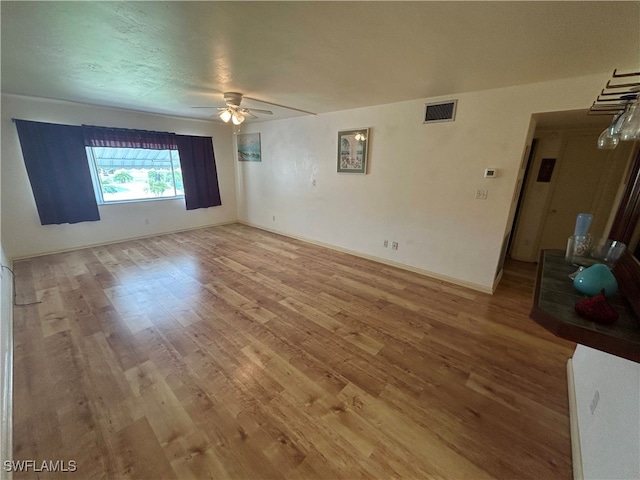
<point x="553" y="308"/>
<point x="619" y="91"/>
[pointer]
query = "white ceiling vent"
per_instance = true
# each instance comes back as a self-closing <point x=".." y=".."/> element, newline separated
<point x="440" y="112"/>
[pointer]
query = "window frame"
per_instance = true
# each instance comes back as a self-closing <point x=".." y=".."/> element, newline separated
<point x="97" y="184"/>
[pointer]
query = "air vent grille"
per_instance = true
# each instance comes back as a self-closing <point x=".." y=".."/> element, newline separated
<point x="440" y="112"/>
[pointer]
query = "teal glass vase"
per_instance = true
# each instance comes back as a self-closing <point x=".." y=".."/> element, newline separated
<point x="591" y="281"/>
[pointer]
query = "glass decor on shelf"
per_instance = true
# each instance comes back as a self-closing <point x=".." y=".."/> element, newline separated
<point x="621" y="99"/>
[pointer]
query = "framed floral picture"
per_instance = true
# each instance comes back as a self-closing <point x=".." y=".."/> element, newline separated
<point x="353" y="146"/>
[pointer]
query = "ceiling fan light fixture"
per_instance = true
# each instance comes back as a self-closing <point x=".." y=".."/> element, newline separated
<point x="237" y="118"/>
<point x="234" y="113"/>
<point x="225" y="115"/>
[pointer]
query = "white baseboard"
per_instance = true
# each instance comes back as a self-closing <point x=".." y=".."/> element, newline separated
<point x="496" y="282"/>
<point x="131" y="239"/>
<point x="576" y="451"/>
<point x="420" y="271"/>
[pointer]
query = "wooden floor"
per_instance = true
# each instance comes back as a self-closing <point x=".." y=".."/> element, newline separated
<point x="230" y="352"/>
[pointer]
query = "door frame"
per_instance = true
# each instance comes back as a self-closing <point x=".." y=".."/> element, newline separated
<point x="628" y="215"/>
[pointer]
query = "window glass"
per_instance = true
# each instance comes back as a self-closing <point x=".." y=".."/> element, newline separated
<point x="126" y="174"/>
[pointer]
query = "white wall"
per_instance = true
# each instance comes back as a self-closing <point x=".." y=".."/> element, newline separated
<point x="420" y="190"/>
<point x="22" y="234"/>
<point x="609" y="421"/>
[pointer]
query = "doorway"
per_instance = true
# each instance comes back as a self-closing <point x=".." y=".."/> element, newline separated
<point x="582" y="179"/>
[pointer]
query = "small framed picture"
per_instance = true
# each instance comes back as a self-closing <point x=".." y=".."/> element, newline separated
<point x="353" y="146"/>
<point x="249" y="147"/>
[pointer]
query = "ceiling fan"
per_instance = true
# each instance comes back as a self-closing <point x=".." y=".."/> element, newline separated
<point x="233" y="111"/>
<point x="237" y="115"/>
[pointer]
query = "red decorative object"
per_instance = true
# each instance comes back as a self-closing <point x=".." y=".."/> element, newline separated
<point x="596" y="309"/>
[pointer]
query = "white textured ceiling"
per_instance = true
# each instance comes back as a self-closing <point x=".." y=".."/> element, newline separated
<point x="165" y="57"/>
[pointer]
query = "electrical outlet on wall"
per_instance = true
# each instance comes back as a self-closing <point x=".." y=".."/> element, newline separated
<point x="394" y="246"/>
<point x="385" y="244"/>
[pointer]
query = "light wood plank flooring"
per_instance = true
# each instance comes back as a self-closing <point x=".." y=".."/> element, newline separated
<point x="230" y="352"/>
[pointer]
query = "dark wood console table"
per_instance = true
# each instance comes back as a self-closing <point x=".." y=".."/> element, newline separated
<point x="553" y="308"/>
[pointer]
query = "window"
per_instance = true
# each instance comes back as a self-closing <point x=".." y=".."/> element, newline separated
<point x="130" y="174"/>
<point x="73" y="168"/>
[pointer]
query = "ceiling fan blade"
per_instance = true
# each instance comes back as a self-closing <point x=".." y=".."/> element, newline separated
<point x="278" y="105"/>
<point x="266" y="112"/>
<point x="247" y="112"/>
<point x="219" y="108"/>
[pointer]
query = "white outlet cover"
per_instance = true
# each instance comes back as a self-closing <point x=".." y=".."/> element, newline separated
<point x="482" y="194"/>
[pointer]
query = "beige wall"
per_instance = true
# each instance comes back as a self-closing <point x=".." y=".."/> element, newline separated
<point x="22" y="234"/>
<point x="420" y="190"/>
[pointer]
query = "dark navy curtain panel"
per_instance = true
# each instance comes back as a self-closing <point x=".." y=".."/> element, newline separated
<point x="199" y="173"/>
<point x="56" y="163"/>
<point x="58" y="169"/>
